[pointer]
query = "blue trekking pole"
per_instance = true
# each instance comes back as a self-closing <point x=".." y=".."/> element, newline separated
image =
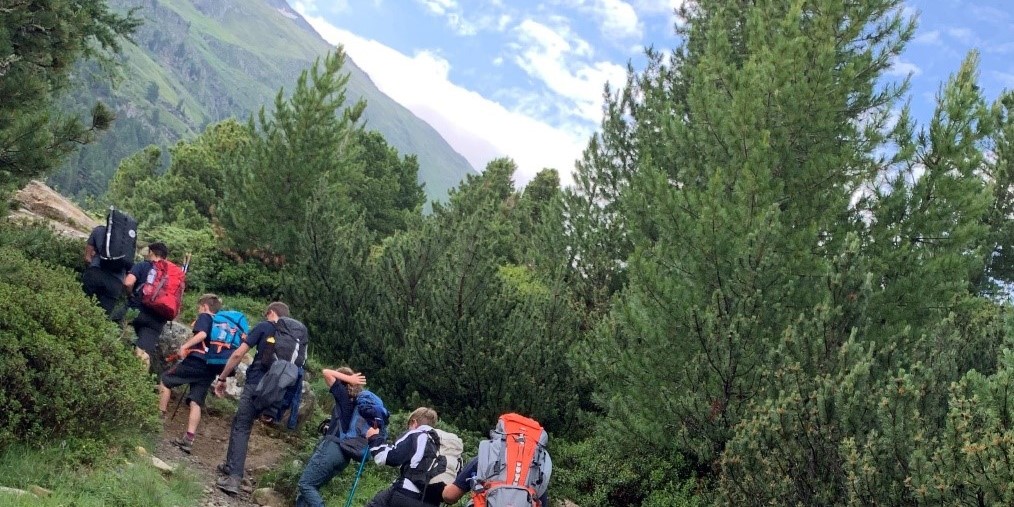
<point x="362" y="464"/>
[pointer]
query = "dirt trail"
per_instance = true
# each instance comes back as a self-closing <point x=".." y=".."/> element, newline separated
<point x="265" y="451"/>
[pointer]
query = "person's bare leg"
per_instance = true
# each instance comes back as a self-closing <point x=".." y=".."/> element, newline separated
<point x="143" y="356"/>
<point x="164" y="393"/>
<point x="195" y="418"/>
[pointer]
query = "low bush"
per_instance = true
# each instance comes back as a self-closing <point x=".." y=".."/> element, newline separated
<point x="65" y="372"/>
<point x="42" y="243"/>
<point x="596" y="471"/>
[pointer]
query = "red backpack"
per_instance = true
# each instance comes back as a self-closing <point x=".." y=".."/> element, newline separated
<point x="163" y="295"/>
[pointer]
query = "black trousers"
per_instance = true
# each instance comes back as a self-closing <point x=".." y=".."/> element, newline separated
<point x="104" y="286"/>
<point x="396" y="497"/>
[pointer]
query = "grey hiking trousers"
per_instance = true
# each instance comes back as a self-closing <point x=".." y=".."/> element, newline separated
<point x="239" y="435"/>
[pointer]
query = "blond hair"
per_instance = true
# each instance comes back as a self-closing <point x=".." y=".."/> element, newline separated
<point x="423" y="416"/>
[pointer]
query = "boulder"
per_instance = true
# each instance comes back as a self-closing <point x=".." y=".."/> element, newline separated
<point x="173" y="335"/>
<point x="161" y="465"/>
<point x="268" y="496"/>
<point x="37" y="202"/>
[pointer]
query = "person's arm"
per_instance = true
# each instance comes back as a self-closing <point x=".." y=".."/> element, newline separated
<point x="403" y="451"/>
<point x="234" y="360"/>
<point x="331" y="376"/>
<point x="457" y="489"/>
<point x="89" y="253"/>
<point x="452" y="493"/>
<point x="193" y="341"/>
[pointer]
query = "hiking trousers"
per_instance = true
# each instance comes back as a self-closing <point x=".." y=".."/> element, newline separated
<point x="239" y="435"/>
<point x="327" y="461"/>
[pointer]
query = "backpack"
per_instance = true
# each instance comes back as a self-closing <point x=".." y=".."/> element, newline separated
<point x="286" y="354"/>
<point x="449" y="448"/>
<point x="228" y="329"/>
<point x="369" y="412"/>
<point x="116" y="251"/>
<point x="441" y="460"/>
<point x="163" y="292"/>
<point x="514" y="466"/>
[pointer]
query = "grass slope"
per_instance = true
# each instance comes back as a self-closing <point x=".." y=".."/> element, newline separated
<point x="195" y="62"/>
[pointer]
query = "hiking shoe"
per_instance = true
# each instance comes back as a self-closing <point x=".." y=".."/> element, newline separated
<point x="229" y="484"/>
<point x="223" y="469"/>
<point x="184" y="444"/>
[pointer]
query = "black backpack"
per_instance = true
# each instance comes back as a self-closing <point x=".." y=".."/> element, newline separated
<point x="117" y="247"/>
<point x="283" y="357"/>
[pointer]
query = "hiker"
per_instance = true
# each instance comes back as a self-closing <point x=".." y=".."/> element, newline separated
<point x="263" y="338"/>
<point x="486" y="472"/>
<point x="328" y="458"/>
<point x="415" y="452"/>
<point x="147" y="325"/>
<point x="194" y="370"/>
<point x="103" y="279"/>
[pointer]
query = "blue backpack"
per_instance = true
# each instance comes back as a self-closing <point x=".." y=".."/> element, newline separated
<point x="228" y="329"/>
<point x="369" y="411"/>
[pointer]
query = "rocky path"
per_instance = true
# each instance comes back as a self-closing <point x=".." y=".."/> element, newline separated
<point x="265" y="451"/>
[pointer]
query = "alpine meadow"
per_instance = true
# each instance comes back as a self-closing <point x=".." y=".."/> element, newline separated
<point x="769" y="283"/>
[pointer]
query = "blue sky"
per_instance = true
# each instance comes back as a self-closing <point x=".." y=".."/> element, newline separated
<point x="524" y="78"/>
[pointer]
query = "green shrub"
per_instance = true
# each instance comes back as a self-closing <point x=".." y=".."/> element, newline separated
<point x="42" y="243"/>
<point x="64" y="371"/>
<point x="596" y="471"/>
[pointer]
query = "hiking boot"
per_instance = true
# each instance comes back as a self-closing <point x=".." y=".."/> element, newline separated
<point x="223" y="469"/>
<point x="185" y="445"/>
<point x="229" y="484"/>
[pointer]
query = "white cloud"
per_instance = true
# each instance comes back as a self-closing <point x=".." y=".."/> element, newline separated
<point x="617" y="19"/>
<point x="439" y="7"/>
<point x="930" y="38"/>
<point x="658" y="6"/>
<point x="902" y="68"/>
<point x="478" y="128"/>
<point x="558" y="58"/>
<point x="963" y="35"/>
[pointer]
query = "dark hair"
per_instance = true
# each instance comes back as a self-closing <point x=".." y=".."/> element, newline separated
<point x="159" y="249"/>
<point x="213" y="301"/>
<point x="281" y="309"/>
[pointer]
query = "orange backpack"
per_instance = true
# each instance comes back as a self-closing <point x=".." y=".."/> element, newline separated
<point x="514" y="467"/>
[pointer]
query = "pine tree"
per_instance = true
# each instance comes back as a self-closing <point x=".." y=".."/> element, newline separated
<point x="40" y="41"/>
<point x="307" y="142"/>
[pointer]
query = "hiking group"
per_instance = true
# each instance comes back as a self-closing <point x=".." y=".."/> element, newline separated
<point x="512" y="467"/>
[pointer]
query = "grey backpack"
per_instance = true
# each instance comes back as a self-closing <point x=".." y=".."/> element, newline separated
<point x="514" y="466"/>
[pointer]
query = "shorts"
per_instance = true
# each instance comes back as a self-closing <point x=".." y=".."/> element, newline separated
<point x="148" y="328"/>
<point x="193" y="371"/>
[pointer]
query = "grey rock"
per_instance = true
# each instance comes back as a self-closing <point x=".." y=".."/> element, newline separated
<point x="268" y="496"/>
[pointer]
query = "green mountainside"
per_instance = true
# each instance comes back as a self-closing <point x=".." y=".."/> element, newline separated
<point x="196" y="62"/>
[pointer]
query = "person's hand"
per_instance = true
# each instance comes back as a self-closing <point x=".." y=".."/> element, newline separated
<point x="220" y="389"/>
<point x="182" y="352"/>
<point x="358" y="379"/>
<point x="371" y="432"/>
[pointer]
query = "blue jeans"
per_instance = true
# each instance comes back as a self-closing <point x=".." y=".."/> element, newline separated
<point x="327" y="461"/>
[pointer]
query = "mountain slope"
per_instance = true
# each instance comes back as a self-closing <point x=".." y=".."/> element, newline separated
<point x="195" y="62"/>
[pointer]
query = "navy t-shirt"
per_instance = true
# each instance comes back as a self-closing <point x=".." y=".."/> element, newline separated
<point x="143" y="272"/>
<point x="467" y="475"/>
<point x="96" y="239"/>
<point x="202" y="324"/>
<point x="257" y="339"/>
<point x="343" y="407"/>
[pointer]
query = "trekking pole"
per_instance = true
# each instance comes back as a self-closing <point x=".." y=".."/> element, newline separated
<point x="180" y="402"/>
<point x="352" y="492"/>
